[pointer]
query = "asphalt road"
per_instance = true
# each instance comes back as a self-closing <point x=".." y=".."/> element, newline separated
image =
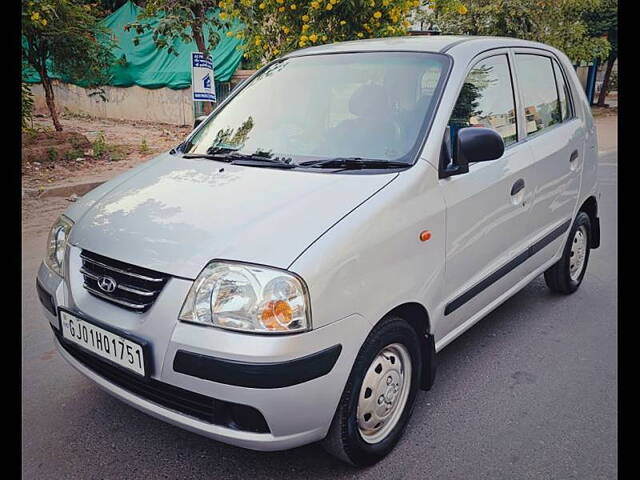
<point x="530" y="392"/>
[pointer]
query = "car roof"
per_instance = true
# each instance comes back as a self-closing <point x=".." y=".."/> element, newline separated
<point x="421" y="43"/>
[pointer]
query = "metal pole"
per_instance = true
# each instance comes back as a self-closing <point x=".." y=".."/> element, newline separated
<point x="591" y="81"/>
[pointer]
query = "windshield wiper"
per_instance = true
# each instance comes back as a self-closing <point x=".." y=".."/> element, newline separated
<point x="260" y="159"/>
<point x="352" y="163"/>
<point x="224" y="157"/>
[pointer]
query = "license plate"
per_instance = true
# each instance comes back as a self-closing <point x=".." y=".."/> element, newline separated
<point x="103" y="343"/>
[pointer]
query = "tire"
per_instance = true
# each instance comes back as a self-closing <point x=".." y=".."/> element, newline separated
<point x="564" y="277"/>
<point x="347" y="439"/>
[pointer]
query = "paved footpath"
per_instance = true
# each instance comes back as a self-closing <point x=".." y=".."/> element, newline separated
<point x="530" y="392"/>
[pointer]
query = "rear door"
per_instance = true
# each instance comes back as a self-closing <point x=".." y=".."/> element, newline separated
<point x="555" y="137"/>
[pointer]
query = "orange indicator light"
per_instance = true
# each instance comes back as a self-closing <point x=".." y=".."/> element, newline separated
<point x="425" y="235"/>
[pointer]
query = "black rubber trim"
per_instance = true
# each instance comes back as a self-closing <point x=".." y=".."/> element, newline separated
<point x="257" y="375"/>
<point x="505" y="269"/>
<point x="595" y="232"/>
<point x="45" y="298"/>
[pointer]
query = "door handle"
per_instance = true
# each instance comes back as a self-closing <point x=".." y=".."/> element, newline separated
<point x="517" y="186"/>
<point x="574" y="156"/>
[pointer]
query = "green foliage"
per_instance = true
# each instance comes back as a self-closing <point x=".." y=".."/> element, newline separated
<point x="106" y="150"/>
<point x="559" y="23"/>
<point x="144" y="148"/>
<point x="65" y="36"/>
<point x="182" y="20"/>
<point x="100" y="146"/>
<point x="603" y="21"/>
<point x="27" y="106"/>
<point x="276" y="27"/>
<point x="52" y="154"/>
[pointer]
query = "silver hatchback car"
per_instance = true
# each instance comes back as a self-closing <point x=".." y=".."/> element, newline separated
<point x="287" y="274"/>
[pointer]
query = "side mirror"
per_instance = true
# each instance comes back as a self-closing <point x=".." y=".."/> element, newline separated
<point x="199" y="120"/>
<point x="474" y="144"/>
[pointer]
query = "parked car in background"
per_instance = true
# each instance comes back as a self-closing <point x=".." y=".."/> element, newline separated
<point x="287" y="274"/>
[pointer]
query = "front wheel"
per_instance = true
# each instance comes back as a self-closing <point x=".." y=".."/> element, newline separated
<point x="379" y="396"/>
<point x="566" y="275"/>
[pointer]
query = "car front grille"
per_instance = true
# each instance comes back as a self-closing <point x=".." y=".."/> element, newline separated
<point x="128" y="286"/>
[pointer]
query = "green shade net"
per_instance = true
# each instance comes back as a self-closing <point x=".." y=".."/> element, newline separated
<point x="151" y="67"/>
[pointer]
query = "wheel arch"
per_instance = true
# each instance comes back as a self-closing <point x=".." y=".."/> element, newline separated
<point x="590" y="207"/>
<point x="417" y="316"/>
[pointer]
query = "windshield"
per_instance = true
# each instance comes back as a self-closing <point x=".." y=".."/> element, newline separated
<point x="354" y="105"/>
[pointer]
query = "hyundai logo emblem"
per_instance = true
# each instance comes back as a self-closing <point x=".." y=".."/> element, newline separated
<point x="107" y="284"/>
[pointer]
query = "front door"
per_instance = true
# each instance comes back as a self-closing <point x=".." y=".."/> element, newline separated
<point x="487" y="208"/>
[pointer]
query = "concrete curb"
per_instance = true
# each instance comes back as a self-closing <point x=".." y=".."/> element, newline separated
<point x="64" y="190"/>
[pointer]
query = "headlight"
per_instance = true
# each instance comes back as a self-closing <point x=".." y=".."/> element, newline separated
<point x="57" y="243"/>
<point x="249" y="298"/>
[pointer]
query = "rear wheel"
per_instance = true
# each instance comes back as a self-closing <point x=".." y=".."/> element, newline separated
<point x="566" y="275"/>
<point x="379" y="396"/>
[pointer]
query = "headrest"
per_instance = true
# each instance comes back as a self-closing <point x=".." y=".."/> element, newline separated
<point x="370" y="101"/>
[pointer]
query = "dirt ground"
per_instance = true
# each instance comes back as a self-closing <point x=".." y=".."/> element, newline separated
<point x="130" y="143"/>
<point x="39" y="213"/>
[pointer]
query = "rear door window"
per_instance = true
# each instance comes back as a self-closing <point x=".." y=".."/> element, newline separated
<point x="542" y="107"/>
<point x="563" y="93"/>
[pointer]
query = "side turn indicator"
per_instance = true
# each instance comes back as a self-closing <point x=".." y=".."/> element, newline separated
<point x="424" y="236"/>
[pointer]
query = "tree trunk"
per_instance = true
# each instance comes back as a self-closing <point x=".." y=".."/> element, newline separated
<point x="51" y="104"/>
<point x="605" y="82"/>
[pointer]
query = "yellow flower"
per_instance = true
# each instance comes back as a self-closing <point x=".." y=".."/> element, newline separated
<point x="333" y="2"/>
<point x="229" y="34"/>
<point x="35" y="16"/>
<point x="315" y="4"/>
<point x="276" y="51"/>
<point x="377" y="15"/>
<point x="416" y="3"/>
<point x="221" y="4"/>
<point x="329" y="6"/>
<point x="262" y="6"/>
<point x="385" y="3"/>
<point x="302" y="44"/>
<point x="285" y="30"/>
<point x="304" y="38"/>
<point x="258" y="42"/>
<point x="239" y="35"/>
<point x="342" y="22"/>
<point x="223" y="15"/>
<point x="391" y="29"/>
<point x="305" y="18"/>
<point x="324" y="38"/>
<point x="360" y="34"/>
<point x="462" y="10"/>
<point x="281" y="9"/>
<point x="305" y="27"/>
<point x="313" y="37"/>
<point x="43" y="22"/>
<point x="293" y="6"/>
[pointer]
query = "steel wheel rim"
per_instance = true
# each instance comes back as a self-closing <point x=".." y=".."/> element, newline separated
<point x="384" y="393"/>
<point x="578" y="253"/>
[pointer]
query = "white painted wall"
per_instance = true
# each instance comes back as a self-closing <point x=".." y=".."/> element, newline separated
<point x="131" y="103"/>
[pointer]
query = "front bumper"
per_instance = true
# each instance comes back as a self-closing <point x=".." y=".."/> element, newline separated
<point x="297" y="409"/>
